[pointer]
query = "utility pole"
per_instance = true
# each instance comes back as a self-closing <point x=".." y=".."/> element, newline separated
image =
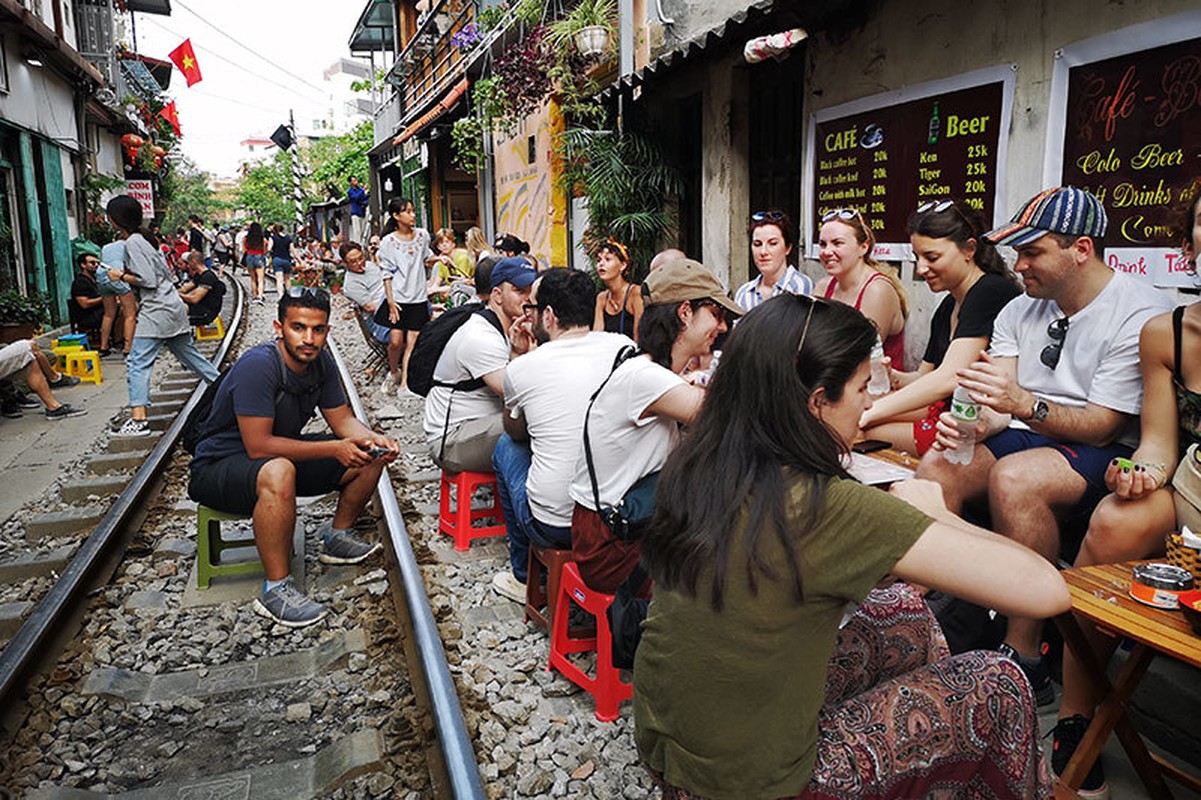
<point x="297" y="194"/>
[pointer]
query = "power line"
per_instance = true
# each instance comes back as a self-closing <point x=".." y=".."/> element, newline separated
<point x="324" y="99"/>
<point x="247" y="47"/>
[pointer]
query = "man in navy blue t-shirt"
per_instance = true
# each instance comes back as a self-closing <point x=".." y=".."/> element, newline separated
<point x="253" y="459"/>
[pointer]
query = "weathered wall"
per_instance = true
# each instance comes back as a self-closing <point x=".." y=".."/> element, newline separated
<point x="38" y="99"/>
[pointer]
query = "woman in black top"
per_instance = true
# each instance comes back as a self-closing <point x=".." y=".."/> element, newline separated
<point x="281" y="257"/>
<point x="619" y="304"/>
<point x="951" y="255"/>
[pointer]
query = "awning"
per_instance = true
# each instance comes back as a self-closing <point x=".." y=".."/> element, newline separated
<point x="150" y="6"/>
<point x="375" y="30"/>
<point x="735" y="27"/>
<point x="441" y="107"/>
<point x="138" y="78"/>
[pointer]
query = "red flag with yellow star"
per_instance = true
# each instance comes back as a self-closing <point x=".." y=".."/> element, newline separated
<point x="185" y="59"/>
<point x="171" y="115"/>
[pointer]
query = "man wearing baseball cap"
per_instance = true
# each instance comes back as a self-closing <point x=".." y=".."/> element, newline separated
<point x="1059" y="391"/>
<point x="462" y="426"/>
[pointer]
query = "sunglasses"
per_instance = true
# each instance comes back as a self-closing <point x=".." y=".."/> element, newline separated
<point x="844" y="214"/>
<point x="767" y="216"/>
<point x="306" y="291"/>
<point x="718" y="311"/>
<point x="808" y="318"/>
<point x="1058" y="331"/>
<point x="532" y="308"/>
<point x="939" y="206"/>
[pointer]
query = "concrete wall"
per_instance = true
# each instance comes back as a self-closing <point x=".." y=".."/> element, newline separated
<point x="38" y="99"/>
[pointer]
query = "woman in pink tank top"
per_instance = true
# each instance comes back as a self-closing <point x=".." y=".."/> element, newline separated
<point x="853" y="277"/>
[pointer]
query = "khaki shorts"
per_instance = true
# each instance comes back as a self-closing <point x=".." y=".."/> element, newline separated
<point x="15" y="357"/>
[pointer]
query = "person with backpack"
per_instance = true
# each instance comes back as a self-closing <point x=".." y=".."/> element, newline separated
<point x="251" y="458"/>
<point x="459" y="363"/>
<point x="162" y="314"/>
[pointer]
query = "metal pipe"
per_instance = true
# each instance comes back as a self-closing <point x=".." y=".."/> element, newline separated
<point x="663" y="18"/>
<point x="19" y="654"/>
<point x="457" y="752"/>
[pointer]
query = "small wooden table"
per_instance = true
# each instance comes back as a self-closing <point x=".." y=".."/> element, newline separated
<point x="1102" y="594"/>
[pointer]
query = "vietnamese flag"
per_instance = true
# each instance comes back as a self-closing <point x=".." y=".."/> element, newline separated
<point x="185" y="59"/>
<point x="171" y="115"/>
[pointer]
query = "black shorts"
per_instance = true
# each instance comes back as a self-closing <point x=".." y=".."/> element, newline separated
<point x="412" y="316"/>
<point x="230" y="484"/>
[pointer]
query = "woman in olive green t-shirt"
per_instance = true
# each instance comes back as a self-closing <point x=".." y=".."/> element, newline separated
<point x="750" y="682"/>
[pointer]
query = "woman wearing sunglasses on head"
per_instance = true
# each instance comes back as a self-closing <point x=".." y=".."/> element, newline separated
<point x="855" y="278"/>
<point x="952" y="256"/>
<point x="753" y="680"/>
<point x="619" y="304"/>
<point x="772" y="239"/>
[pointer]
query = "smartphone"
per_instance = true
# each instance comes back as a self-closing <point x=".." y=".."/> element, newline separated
<point x="377" y="452"/>
<point x="870" y="446"/>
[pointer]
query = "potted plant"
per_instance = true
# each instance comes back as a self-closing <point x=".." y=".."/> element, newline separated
<point x="21" y="316"/>
<point x="587" y="27"/>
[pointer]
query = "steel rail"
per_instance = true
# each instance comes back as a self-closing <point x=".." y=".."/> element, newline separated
<point x="457" y="753"/>
<point x="21" y="652"/>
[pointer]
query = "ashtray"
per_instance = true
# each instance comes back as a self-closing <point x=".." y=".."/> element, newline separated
<point x="1190" y="604"/>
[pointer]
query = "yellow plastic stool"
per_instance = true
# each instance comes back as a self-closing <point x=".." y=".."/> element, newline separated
<point x="205" y="333"/>
<point x="85" y="365"/>
<point x="210" y="545"/>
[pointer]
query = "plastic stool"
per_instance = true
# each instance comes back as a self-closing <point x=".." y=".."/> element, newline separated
<point x="215" y="331"/>
<point x="607" y="688"/>
<point x="458" y="523"/>
<point x="71" y="340"/>
<point x="85" y="365"/>
<point x="210" y="545"/>
<point x="537" y="595"/>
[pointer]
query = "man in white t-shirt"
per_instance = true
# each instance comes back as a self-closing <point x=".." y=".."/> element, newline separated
<point x="546" y="394"/>
<point x="1059" y="390"/>
<point x="462" y="426"/>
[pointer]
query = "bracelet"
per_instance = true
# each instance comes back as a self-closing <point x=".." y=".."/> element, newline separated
<point x="1163" y="471"/>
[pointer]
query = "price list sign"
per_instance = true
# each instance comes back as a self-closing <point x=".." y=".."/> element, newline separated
<point x="1132" y="136"/>
<point x="886" y="160"/>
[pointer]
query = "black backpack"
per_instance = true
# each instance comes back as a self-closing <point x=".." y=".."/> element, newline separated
<point x="195" y="427"/>
<point x="431" y="341"/>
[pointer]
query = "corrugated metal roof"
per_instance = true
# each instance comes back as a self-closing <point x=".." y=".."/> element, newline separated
<point x="717" y="35"/>
<point x="138" y="78"/>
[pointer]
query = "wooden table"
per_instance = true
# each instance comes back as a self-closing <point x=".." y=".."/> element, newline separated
<point x="1101" y="594"/>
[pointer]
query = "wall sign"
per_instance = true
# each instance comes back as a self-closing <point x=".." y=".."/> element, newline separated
<point x="143" y="192"/>
<point x="1127" y="127"/>
<point x="885" y="155"/>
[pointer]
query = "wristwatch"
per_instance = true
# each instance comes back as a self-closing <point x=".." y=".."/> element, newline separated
<point x="1040" y="410"/>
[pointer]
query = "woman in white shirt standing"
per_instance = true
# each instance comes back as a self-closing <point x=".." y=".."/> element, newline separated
<point x="404" y="253"/>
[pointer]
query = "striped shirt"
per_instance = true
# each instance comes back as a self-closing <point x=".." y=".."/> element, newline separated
<point x="792" y="281"/>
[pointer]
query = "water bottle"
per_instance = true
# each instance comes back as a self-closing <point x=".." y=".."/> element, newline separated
<point x="879" y="383"/>
<point x="966" y="412"/>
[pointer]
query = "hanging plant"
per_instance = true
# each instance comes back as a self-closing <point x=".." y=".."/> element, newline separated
<point x="584" y="27"/>
<point x="523" y="72"/>
<point x="467" y="37"/>
<point x="467" y="142"/>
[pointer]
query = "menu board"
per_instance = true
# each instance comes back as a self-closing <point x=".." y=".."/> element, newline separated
<point x="903" y="150"/>
<point x="1132" y="136"/>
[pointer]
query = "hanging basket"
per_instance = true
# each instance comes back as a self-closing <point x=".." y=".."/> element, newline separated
<point x="592" y="40"/>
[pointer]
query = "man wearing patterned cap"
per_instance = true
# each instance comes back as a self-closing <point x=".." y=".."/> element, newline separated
<point x="1059" y="390"/>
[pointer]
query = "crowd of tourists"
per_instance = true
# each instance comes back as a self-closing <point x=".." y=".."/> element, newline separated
<point x="792" y="617"/>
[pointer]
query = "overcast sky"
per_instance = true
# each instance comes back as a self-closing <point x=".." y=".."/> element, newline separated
<point x="247" y="92"/>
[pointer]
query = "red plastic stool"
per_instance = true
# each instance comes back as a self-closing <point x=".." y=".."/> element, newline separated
<point x="607" y="688"/>
<point x="537" y="595"/>
<point x="458" y="523"/>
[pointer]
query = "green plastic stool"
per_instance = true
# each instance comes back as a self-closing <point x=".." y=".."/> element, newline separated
<point x="210" y="545"/>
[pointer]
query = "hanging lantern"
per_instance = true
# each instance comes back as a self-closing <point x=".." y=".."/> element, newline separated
<point x="132" y="140"/>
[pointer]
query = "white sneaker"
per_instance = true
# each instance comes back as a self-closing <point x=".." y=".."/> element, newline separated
<point x="508" y="586"/>
<point x="389" y="386"/>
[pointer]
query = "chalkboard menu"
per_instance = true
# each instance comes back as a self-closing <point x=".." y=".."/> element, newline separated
<point x="887" y="160"/>
<point x="1132" y="136"/>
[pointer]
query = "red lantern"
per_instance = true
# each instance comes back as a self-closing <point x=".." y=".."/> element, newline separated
<point x="132" y="142"/>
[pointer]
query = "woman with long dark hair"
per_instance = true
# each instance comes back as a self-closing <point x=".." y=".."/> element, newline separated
<point x="619" y="304"/>
<point x="162" y="313"/>
<point x="748" y="684"/>
<point x="636" y="418"/>
<point x="404" y="253"/>
<point x="255" y="246"/>
<point x="953" y="256"/>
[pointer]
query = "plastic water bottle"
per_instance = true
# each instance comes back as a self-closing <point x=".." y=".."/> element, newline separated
<point x="966" y="412"/>
<point x="879" y="383"/>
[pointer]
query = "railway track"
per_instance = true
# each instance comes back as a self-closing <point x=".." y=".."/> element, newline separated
<point x="172" y="691"/>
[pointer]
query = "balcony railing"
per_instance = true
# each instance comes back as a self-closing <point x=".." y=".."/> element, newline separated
<point x="429" y="64"/>
<point x="387" y="117"/>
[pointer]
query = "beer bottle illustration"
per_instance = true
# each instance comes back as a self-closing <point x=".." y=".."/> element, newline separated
<point x="935" y="126"/>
